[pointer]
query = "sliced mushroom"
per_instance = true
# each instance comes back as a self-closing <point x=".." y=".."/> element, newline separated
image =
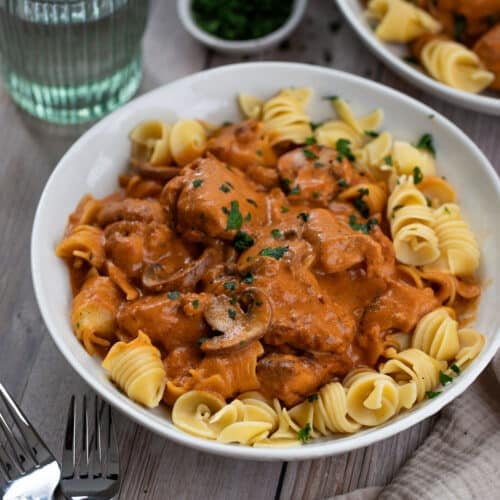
<point x="160" y="173"/>
<point x="238" y="327"/>
<point x="158" y="278"/>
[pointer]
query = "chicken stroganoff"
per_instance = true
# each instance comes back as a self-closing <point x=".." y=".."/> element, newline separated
<point x="275" y="280"/>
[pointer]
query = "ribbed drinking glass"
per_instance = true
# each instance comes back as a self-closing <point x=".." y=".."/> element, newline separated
<point x="71" y="61"/>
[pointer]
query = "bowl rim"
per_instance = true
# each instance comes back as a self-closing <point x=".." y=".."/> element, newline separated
<point x="153" y="422"/>
<point x="254" y="44"/>
<point x="475" y="102"/>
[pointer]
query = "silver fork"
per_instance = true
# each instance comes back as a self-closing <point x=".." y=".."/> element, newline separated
<point x="96" y="473"/>
<point x="27" y="467"/>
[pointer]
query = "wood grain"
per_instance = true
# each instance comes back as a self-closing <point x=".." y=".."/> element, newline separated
<point x="38" y="376"/>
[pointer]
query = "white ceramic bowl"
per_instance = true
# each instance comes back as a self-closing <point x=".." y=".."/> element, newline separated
<point x="243" y="46"/>
<point x="392" y="54"/>
<point x="94" y="161"/>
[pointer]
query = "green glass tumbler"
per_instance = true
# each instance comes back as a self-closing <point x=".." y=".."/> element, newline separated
<point x="71" y="61"/>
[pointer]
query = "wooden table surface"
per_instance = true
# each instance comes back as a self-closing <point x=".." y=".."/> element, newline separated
<point x="41" y="380"/>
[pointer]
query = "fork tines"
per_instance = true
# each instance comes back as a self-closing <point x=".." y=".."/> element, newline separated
<point x="96" y="467"/>
<point x="22" y="450"/>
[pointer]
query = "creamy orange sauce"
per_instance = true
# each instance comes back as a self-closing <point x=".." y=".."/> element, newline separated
<point x="244" y="221"/>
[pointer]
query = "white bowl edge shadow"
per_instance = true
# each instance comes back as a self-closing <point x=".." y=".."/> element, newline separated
<point x="211" y="95"/>
<point x="241" y="46"/>
<point x="353" y="11"/>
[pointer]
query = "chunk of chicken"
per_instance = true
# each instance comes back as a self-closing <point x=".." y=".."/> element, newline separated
<point x="338" y="246"/>
<point x="243" y="144"/>
<point x="212" y="200"/>
<point x="168" y="319"/>
<point x="302" y="315"/>
<point x="292" y="378"/>
<point x="131" y="209"/>
<point x="398" y="309"/>
<point x="311" y="174"/>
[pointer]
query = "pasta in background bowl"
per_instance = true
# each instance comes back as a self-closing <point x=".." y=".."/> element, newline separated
<point x="211" y="96"/>
<point x="448" y="64"/>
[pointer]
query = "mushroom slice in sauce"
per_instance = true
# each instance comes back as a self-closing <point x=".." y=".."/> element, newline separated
<point x="159" y="173"/>
<point x="159" y="279"/>
<point x="238" y="328"/>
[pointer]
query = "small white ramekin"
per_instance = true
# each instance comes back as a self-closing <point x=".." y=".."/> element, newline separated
<point x="240" y="46"/>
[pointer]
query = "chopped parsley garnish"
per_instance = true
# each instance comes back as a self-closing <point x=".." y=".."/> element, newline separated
<point x="455" y="368"/>
<point x="360" y="204"/>
<point x="234" y="218"/>
<point x="225" y="188"/>
<point x="304" y="434"/>
<point x="248" y="217"/>
<point x="284" y="209"/>
<point x="195" y="303"/>
<point x="315" y="125"/>
<point x="231" y="313"/>
<point x="344" y="149"/>
<point x="315" y="195"/>
<point x="318" y="164"/>
<point x="197" y="183"/>
<point x="78" y="325"/>
<point x="173" y="295"/>
<point x="295" y="189"/>
<point x="312" y="398"/>
<point x="285" y="184"/>
<point x="428" y="201"/>
<point x="444" y="379"/>
<point x="364" y="228"/>
<point x="226" y="124"/>
<point x="417" y="175"/>
<point x="238" y="19"/>
<point x="242" y="241"/>
<point x="248" y="278"/>
<point x="371" y="133"/>
<point x="275" y="253"/>
<point x="201" y="340"/>
<point x="310" y="140"/>
<point x="252" y="202"/>
<point x="432" y="394"/>
<point x="427" y="142"/>
<point x="330" y="97"/>
<point x="342" y="183"/>
<point x="259" y="152"/>
<point x="276" y="233"/>
<point x="230" y="285"/>
<point x="388" y="160"/>
<point x="459" y="26"/>
<point x="304" y="216"/>
<point x="447" y="210"/>
<point x="310" y="155"/>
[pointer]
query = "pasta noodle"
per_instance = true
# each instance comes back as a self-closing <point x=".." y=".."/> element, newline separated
<point x="84" y="242"/>
<point x="93" y="313"/>
<point x="285" y="118"/>
<point x="411" y="220"/>
<point x="400" y="21"/>
<point x="458" y="246"/>
<point x="188" y="141"/>
<point x="437" y="335"/>
<point x="373" y="398"/>
<point x="137" y="368"/>
<point x="414" y="365"/>
<point x="406" y="157"/>
<point x="271" y="284"/>
<point x="250" y="105"/>
<point x="150" y="143"/>
<point x="452" y="63"/>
